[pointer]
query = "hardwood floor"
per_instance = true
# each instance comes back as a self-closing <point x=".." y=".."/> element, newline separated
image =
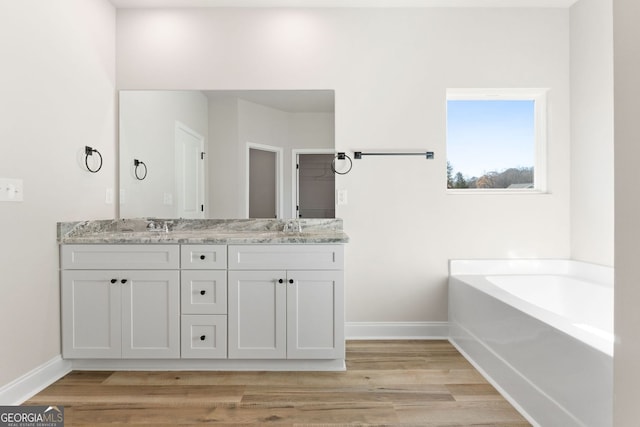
<point x="387" y="383"/>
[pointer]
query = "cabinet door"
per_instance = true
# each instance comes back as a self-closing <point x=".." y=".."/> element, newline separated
<point x="91" y="326"/>
<point x="315" y="315"/>
<point x="257" y="314"/>
<point x="150" y="314"/>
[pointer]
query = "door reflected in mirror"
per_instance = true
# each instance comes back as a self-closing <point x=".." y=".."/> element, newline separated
<point x="316" y="186"/>
<point x="197" y="147"/>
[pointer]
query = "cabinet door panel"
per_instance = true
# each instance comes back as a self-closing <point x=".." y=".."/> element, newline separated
<point x="151" y="314"/>
<point x="315" y="315"/>
<point x="90" y="315"/>
<point x="125" y="257"/>
<point x="204" y="336"/>
<point x="286" y="257"/>
<point x="204" y="291"/>
<point x="257" y="314"/>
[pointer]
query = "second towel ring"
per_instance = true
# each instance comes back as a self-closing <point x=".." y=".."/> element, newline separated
<point x="341" y="156"/>
<point x="137" y="164"/>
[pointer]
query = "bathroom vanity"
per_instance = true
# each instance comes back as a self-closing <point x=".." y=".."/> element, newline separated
<point x="203" y="294"/>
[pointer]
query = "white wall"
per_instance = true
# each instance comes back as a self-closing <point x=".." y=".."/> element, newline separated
<point x="57" y="89"/>
<point x="627" y="212"/>
<point x="592" y="132"/>
<point x="225" y="176"/>
<point x="390" y="69"/>
<point x="147" y="133"/>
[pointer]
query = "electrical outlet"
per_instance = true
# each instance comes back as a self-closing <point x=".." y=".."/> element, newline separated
<point x="168" y="199"/>
<point x="11" y="190"/>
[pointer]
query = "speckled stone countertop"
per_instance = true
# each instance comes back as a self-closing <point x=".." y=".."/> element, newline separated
<point x="209" y="231"/>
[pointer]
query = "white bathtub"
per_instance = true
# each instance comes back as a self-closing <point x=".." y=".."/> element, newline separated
<point x="542" y="332"/>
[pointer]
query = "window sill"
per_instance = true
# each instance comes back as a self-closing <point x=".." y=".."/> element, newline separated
<point x="496" y="191"/>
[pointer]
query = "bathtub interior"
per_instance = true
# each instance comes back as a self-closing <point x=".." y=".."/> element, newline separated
<point x="568" y="296"/>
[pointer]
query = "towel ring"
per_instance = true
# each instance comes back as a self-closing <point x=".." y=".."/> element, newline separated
<point x="341" y="156"/>
<point x="88" y="151"/>
<point x="137" y="163"/>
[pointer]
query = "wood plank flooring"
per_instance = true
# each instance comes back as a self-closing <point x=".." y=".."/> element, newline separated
<point x="387" y="383"/>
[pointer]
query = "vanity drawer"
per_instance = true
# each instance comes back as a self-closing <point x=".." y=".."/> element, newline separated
<point x="204" y="337"/>
<point x="203" y="292"/>
<point x="203" y="257"/>
<point x="118" y="257"/>
<point x="286" y="257"/>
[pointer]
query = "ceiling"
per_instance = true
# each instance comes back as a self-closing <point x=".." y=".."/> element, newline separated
<point x="146" y="4"/>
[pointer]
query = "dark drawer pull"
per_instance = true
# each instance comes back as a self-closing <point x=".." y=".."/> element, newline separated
<point x="202" y="257"/>
<point x="123" y="281"/>
<point x="202" y="337"/>
<point x="114" y="280"/>
<point x="203" y="292"/>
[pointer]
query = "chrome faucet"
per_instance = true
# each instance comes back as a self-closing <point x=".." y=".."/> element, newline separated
<point x="153" y="226"/>
<point x="293" y="226"/>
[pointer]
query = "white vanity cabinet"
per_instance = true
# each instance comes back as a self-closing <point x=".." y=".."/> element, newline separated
<point x="286" y="301"/>
<point x="213" y="306"/>
<point x="120" y="301"/>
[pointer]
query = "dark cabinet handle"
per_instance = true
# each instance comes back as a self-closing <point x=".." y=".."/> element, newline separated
<point x="203" y="292"/>
<point x="280" y="281"/>
<point x="202" y="337"/>
<point x="291" y="281"/>
<point x="114" y="280"/>
<point x="202" y="257"/>
<point x="123" y="281"/>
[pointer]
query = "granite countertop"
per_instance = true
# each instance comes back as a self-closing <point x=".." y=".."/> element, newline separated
<point x="205" y="231"/>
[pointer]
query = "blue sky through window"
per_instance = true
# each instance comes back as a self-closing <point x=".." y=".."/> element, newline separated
<point x="490" y="135"/>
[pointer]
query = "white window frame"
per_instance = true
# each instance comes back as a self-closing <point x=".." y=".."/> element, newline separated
<point x="539" y="96"/>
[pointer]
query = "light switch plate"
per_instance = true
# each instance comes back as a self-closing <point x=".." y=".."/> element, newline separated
<point x="11" y="190"/>
<point x="341" y="198"/>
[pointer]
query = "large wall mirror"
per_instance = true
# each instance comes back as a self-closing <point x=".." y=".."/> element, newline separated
<point x="227" y="154"/>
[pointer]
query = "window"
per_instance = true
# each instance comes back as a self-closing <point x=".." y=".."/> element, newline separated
<point x="496" y="140"/>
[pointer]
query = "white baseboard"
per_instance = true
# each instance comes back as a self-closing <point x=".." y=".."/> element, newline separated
<point x="397" y="330"/>
<point x="328" y="365"/>
<point x="21" y="389"/>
